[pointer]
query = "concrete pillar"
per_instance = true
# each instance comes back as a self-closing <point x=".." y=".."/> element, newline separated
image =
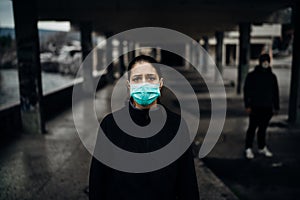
<point x="95" y="60"/>
<point x="158" y="54"/>
<point x="86" y="48"/>
<point x="194" y="55"/>
<point x="187" y="54"/>
<point x="154" y="53"/>
<point x="219" y="50"/>
<point x="205" y="58"/>
<point x="126" y="56"/>
<point x="109" y="56"/>
<point x="131" y="53"/>
<point x="100" y="55"/>
<point x="121" y="58"/>
<point x="137" y="50"/>
<point x="198" y="56"/>
<point x="294" y="101"/>
<point x="237" y="54"/>
<point x="244" y="57"/>
<point x="223" y="53"/>
<point x="29" y="68"/>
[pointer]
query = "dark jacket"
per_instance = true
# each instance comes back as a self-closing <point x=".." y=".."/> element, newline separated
<point x="261" y="89"/>
<point x="175" y="181"/>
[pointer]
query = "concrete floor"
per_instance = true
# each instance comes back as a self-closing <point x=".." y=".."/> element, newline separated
<point x="262" y="178"/>
<point x="56" y="165"/>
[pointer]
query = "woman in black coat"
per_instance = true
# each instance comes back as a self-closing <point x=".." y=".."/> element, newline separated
<point x="174" y="181"/>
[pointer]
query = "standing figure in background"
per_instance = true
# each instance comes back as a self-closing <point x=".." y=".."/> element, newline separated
<point x="261" y="98"/>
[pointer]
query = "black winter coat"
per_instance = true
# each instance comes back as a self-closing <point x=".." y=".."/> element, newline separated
<point x="175" y="181"/>
<point x="261" y="89"/>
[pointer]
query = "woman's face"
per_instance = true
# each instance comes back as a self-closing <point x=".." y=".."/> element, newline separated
<point x="144" y="73"/>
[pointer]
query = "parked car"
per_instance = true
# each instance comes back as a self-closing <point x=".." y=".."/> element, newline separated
<point x="67" y="62"/>
<point x="49" y="62"/>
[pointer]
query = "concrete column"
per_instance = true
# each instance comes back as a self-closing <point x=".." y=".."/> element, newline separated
<point x="132" y="53"/>
<point x="294" y="101"/>
<point x="121" y="58"/>
<point x="205" y="58"/>
<point x="137" y="50"/>
<point x="109" y="51"/>
<point x="95" y="60"/>
<point x="197" y="56"/>
<point x="194" y="54"/>
<point x="86" y="48"/>
<point x="100" y="62"/>
<point x="219" y="50"/>
<point x="187" y="54"/>
<point x="244" y="58"/>
<point x="223" y="53"/>
<point x="158" y="54"/>
<point x="126" y="56"/>
<point x="237" y="55"/>
<point x="29" y="68"/>
<point x="154" y="53"/>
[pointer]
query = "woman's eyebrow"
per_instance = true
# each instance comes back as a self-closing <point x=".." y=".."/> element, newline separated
<point x="134" y="75"/>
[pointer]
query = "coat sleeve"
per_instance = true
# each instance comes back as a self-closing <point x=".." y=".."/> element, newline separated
<point x="247" y="91"/>
<point x="276" y="94"/>
<point x="98" y="177"/>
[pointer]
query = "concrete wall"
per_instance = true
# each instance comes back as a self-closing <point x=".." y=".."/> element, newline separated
<point x="54" y="103"/>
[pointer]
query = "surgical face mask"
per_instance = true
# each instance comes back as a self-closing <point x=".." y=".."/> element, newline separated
<point x="265" y="65"/>
<point x="144" y="93"/>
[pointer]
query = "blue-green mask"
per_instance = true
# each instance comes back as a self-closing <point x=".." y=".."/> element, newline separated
<point x="144" y="93"/>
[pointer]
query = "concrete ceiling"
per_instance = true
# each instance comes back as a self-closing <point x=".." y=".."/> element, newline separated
<point x="192" y="17"/>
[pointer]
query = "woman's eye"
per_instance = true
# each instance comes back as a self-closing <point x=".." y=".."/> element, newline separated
<point x="152" y="78"/>
<point x="136" y="79"/>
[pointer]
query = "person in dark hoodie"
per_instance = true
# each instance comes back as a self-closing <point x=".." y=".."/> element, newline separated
<point x="176" y="181"/>
<point x="261" y="98"/>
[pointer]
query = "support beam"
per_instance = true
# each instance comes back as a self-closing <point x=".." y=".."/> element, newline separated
<point x="154" y="53"/>
<point x="192" y="53"/>
<point x="205" y="58"/>
<point x="158" y="54"/>
<point x="187" y="54"/>
<point x="29" y="67"/>
<point x="219" y="51"/>
<point x="294" y="101"/>
<point x="86" y="48"/>
<point x="244" y="57"/>
<point x="131" y="55"/>
<point x="137" y="51"/>
<point x="109" y="56"/>
<point x="100" y="56"/>
<point x="126" y="56"/>
<point x="197" y="54"/>
<point x="121" y="57"/>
